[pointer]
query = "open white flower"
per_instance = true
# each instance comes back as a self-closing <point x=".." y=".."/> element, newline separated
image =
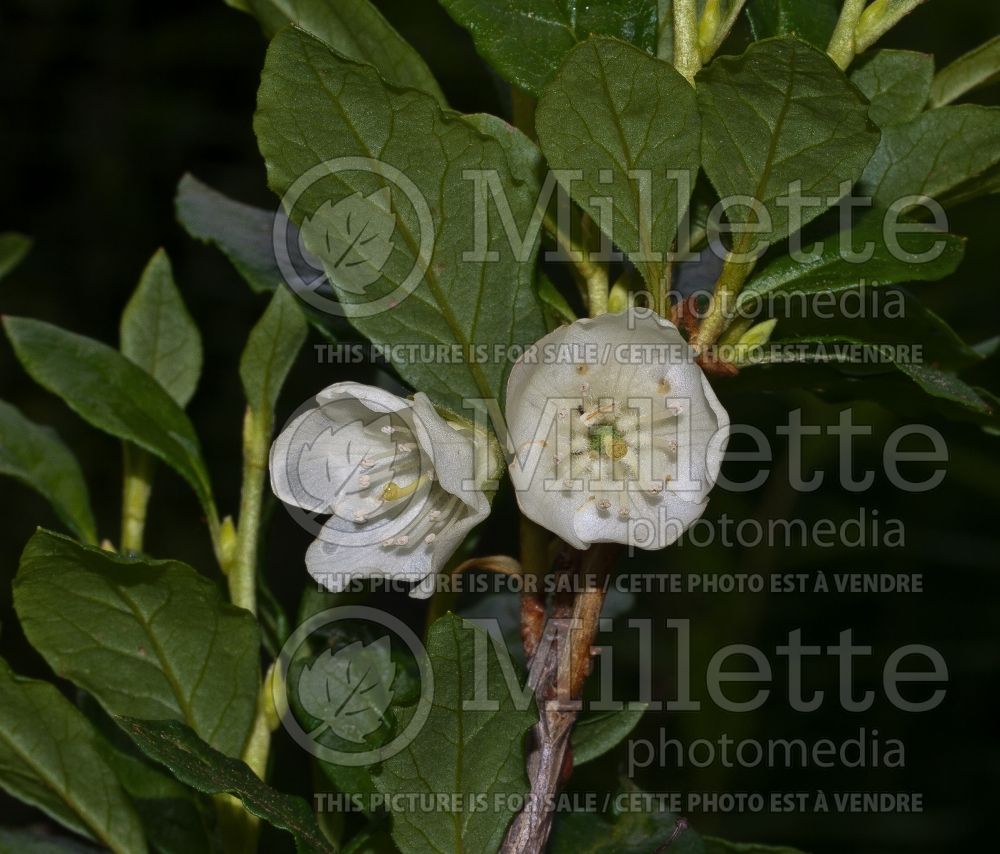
<point x="392" y="475"/>
<point x="617" y="434"/>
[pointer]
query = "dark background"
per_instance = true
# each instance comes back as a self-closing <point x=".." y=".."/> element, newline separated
<point x="107" y="103"/>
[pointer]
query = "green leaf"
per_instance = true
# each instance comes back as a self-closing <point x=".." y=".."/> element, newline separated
<point x="942" y="153"/>
<point x="880" y="17"/>
<point x="459" y="751"/>
<point x="315" y="106"/>
<point x="812" y="21"/>
<point x="37" y="457"/>
<point x="271" y="349"/>
<point x="896" y="82"/>
<point x="158" y="334"/>
<point x="175" y="819"/>
<point x="349" y="690"/>
<point x="111" y="393"/>
<point x="830" y="271"/>
<point x="40" y="842"/>
<point x="13" y="248"/>
<point x="242" y="232"/>
<point x="933" y="367"/>
<point x="357" y="30"/>
<point x="979" y="67"/>
<point x="946" y="385"/>
<point x="631" y="832"/>
<point x="595" y="735"/>
<point x="200" y="766"/>
<point x="782" y="112"/>
<point x="146" y="638"/>
<point x="720" y="846"/>
<point x="49" y="759"/>
<point x="525" y="40"/>
<point x="613" y="110"/>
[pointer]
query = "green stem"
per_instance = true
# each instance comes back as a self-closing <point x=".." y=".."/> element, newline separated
<point x="735" y="272"/>
<point x="242" y="571"/>
<point x="136" y="488"/>
<point x="594" y="276"/>
<point x="842" y="47"/>
<point x="687" y="55"/>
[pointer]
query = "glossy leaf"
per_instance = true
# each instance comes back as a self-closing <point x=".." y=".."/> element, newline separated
<point x="526" y="40"/>
<point x="781" y="113"/>
<point x="13" y="248"/>
<point x="459" y="751"/>
<point x="896" y="82"/>
<point x="941" y="154"/>
<point x="146" y="638"/>
<point x="111" y="393"/>
<point x="630" y="123"/>
<point x="37" y="457"/>
<point x="979" y="67"/>
<point x="271" y="349"/>
<point x="812" y="21"/>
<point x="158" y="334"/>
<point x="357" y="30"/>
<point x="831" y="271"/>
<point x="315" y="106"/>
<point x="200" y="766"/>
<point x="49" y="758"/>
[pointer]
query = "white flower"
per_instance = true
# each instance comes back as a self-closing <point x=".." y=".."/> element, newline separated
<point x="394" y="477"/>
<point x="617" y="434"/>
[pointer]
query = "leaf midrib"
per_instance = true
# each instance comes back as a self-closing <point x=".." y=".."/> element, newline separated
<point x="429" y="278"/>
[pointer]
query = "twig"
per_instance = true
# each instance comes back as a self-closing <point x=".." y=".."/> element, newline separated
<point x="559" y="666"/>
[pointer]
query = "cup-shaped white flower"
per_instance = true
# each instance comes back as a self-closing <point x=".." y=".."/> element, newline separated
<point x="396" y="480"/>
<point x="616" y="432"/>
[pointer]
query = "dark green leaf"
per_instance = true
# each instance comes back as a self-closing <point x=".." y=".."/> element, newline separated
<point x="830" y="271"/>
<point x="596" y="735"/>
<point x="937" y="154"/>
<point x="946" y="385"/>
<point x="357" y="30"/>
<point x="149" y="638"/>
<point x="812" y="21"/>
<point x="780" y="113"/>
<point x="525" y="40"/>
<point x="158" y="334"/>
<point x="632" y="832"/>
<point x="13" y="248"/>
<point x="200" y="766"/>
<point x="110" y="392"/>
<point x="979" y="67"/>
<point x="242" y="232"/>
<point x="897" y="82"/>
<point x="176" y="819"/>
<point x="49" y="759"/>
<point x="40" y="842"/>
<point x="36" y="456"/>
<point x="720" y="846"/>
<point x="913" y="339"/>
<point x="459" y="751"/>
<point x="271" y="350"/>
<point x="315" y="106"/>
<point x="613" y="111"/>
